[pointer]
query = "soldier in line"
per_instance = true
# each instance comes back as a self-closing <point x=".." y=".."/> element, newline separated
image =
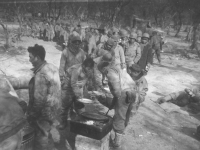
<point x="156" y="42"/>
<point x="133" y="52"/>
<point x="117" y="52"/>
<point x="57" y="31"/>
<point x="124" y="39"/>
<point x="49" y="32"/>
<point x="146" y="58"/>
<point x="139" y="36"/>
<point x="102" y="35"/>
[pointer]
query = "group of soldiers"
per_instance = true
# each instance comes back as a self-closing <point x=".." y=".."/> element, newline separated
<point x="91" y="60"/>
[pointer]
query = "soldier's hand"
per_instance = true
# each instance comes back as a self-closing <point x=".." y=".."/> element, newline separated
<point x="160" y="100"/>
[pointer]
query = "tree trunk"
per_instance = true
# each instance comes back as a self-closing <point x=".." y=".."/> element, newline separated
<point x="195" y="36"/>
<point x="156" y="19"/>
<point x="179" y="29"/>
<point x="180" y="24"/>
<point x="189" y="34"/>
<point x="7" y="37"/>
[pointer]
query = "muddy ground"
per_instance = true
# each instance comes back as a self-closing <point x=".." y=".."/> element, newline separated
<point x="154" y="127"/>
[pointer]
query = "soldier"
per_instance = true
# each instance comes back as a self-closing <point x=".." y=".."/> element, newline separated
<point x="35" y="29"/>
<point x="42" y="28"/>
<point x="64" y="37"/>
<point x="188" y="97"/>
<point x="89" y="44"/>
<point x="102" y="35"/>
<point x="72" y="55"/>
<point x="124" y="39"/>
<point x="133" y="52"/>
<point x="50" y="32"/>
<point x="137" y="75"/>
<point x="146" y="58"/>
<point x="123" y="89"/>
<point x="117" y="53"/>
<point x="44" y="98"/>
<point x="115" y="31"/>
<point x="57" y="31"/>
<point x="156" y="45"/>
<point x="139" y="36"/>
<point x="73" y="87"/>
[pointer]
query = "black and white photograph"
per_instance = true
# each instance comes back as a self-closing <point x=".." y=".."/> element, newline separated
<point x="99" y="74"/>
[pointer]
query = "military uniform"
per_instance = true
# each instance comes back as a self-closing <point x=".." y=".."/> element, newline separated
<point x="102" y="39"/>
<point x="123" y="90"/>
<point x="156" y="46"/>
<point x="133" y="54"/>
<point x="118" y="57"/>
<point x="50" y="32"/>
<point x="89" y="44"/>
<point x="146" y="57"/>
<point x="44" y="101"/>
<point x="64" y="37"/>
<point x="190" y="98"/>
<point x="73" y="87"/>
<point x="57" y="32"/>
<point x="70" y="58"/>
<point x="141" y="89"/>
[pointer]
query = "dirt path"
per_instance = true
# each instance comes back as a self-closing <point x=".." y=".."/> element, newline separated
<point x="165" y="127"/>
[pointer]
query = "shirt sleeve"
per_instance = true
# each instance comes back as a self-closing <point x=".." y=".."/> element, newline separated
<point x="138" y="54"/>
<point x="143" y="92"/>
<point x="62" y="64"/>
<point x="122" y="57"/>
<point x="114" y="83"/>
<point x="40" y="92"/>
<point x="75" y="84"/>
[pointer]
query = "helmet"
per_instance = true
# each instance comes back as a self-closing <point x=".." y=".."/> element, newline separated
<point x="110" y="42"/>
<point x="145" y="35"/>
<point x="75" y="38"/>
<point x="102" y="27"/>
<point x="139" y="33"/>
<point x="115" y="38"/>
<point x="133" y="36"/>
<point x="133" y="30"/>
<point x="114" y="30"/>
<point x="123" y="33"/>
<point x="110" y="33"/>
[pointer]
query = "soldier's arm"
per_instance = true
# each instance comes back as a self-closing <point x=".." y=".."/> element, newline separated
<point x="114" y="83"/>
<point x="143" y="92"/>
<point x="90" y="46"/>
<point x="63" y="60"/>
<point x="149" y="56"/>
<point x="122" y="58"/>
<point x="138" y="54"/>
<point x="75" y="84"/>
<point x="40" y="94"/>
<point x="54" y="91"/>
<point x="98" y="78"/>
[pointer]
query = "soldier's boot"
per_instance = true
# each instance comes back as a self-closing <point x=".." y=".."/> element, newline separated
<point x="65" y="116"/>
<point x="116" y="144"/>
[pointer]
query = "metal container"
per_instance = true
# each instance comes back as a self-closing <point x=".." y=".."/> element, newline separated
<point x="28" y="138"/>
<point x="99" y="128"/>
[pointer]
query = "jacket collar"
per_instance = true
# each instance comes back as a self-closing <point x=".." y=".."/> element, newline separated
<point x="39" y="67"/>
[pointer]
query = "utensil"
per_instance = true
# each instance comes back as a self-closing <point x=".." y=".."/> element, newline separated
<point x="85" y="101"/>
